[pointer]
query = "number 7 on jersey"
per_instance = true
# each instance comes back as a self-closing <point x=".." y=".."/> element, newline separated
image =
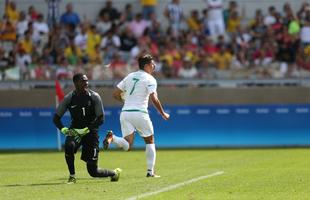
<point x="135" y="80"/>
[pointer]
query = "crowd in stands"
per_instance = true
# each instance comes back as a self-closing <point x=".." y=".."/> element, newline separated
<point x="210" y="43"/>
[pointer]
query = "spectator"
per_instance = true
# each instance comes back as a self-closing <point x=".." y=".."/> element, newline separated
<point x="110" y="10"/>
<point x="204" y="22"/>
<point x="102" y="72"/>
<point x="209" y="47"/>
<point x="119" y="67"/>
<point x="166" y="69"/>
<point x="138" y="25"/>
<point x="215" y="17"/>
<point x="80" y="39"/>
<point x="26" y="43"/>
<point x="258" y="28"/>
<point x="155" y="30"/>
<point x="7" y="34"/>
<point x="5" y="63"/>
<point x="232" y="7"/>
<point x="287" y="49"/>
<point x="110" y="45"/>
<point x="288" y="11"/>
<point x="305" y="30"/>
<point x="93" y="40"/>
<point x="148" y="8"/>
<point x="127" y="42"/>
<point x="174" y="13"/>
<point x="53" y="12"/>
<point x="46" y="57"/>
<point x="103" y="24"/>
<point x="96" y="57"/>
<point x="222" y="59"/>
<point x="73" y="54"/>
<point x="23" y="62"/>
<point x="243" y="37"/>
<point x="22" y="25"/>
<point x="11" y="11"/>
<point x="40" y="32"/>
<point x="188" y="70"/>
<point x="270" y="19"/>
<point x="193" y="21"/>
<point x="127" y="14"/>
<point x="301" y="13"/>
<point x="70" y="17"/>
<point x="240" y="61"/>
<point x="32" y="14"/>
<point x="62" y="71"/>
<point x="234" y="21"/>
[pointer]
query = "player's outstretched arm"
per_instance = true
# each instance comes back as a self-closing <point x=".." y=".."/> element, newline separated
<point x="158" y="106"/>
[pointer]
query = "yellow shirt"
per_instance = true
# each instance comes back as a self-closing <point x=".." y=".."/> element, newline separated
<point x="192" y="24"/>
<point x="9" y="31"/>
<point x="168" y="58"/>
<point x="12" y="15"/>
<point x="232" y="25"/>
<point x="148" y="2"/>
<point x="95" y="58"/>
<point x="222" y="61"/>
<point x="307" y="50"/>
<point x="69" y="52"/>
<point x="27" y="45"/>
<point x="92" y="41"/>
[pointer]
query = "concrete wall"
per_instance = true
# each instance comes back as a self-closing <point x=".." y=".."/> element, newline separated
<point x="171" y="96"/>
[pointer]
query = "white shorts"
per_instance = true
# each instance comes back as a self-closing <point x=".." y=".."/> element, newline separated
<point x="136" y="121"/>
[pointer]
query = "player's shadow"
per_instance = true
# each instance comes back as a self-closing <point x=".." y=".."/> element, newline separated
<point x="63" y="182"/>
<point x="32" y="184"/>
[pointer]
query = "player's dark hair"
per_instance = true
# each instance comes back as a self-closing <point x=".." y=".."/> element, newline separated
<point x="144" y="59"/>
<point x="77" y="77"/>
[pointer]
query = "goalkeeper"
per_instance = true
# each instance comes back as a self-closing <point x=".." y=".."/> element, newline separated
<point x="87" y="115"/>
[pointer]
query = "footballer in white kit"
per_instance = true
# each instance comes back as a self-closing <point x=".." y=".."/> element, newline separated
<point x="135" y="90"/>
<point x="137" y="87"/>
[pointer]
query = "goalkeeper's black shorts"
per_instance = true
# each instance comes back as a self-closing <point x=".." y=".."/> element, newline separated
<point x="90" y="146"/>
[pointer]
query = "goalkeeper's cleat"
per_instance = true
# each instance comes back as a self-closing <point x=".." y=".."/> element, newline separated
<point x="71" y="180"/>
<point x="149" y="175"/>
<point x="117" y="174"/>
<point x="107" y="140"/>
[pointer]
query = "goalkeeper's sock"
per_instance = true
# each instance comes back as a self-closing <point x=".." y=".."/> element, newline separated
<point x="150" y="152"/>
<point x="70" y="163"/>
<point x="120" y="142"/>
<point x="95" y="171"/>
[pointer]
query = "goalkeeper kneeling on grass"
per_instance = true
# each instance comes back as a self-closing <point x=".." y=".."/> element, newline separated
<point x="86" y="110"/>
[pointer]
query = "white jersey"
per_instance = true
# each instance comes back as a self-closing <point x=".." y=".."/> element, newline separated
<point x="137" y="87"/>
<point x="215" y="9"/>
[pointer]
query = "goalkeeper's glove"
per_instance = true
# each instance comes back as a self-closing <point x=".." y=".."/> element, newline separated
<point x="81" y="132"/>
<point x="77" y="138"/>
<point x="67" y="131"/>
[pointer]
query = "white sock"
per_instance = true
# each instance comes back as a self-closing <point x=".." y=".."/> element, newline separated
<point x="150" y="152"/>
<point x="120" y="142"/>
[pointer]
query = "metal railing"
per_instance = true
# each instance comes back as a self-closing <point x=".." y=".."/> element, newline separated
<point x="222" y="83"/>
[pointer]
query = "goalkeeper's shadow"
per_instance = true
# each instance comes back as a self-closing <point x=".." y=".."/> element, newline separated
<point x="32" y="184"/>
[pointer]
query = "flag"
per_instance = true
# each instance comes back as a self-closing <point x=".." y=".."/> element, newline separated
<point x="58" y="97"/>
<point x="59" y="92"/>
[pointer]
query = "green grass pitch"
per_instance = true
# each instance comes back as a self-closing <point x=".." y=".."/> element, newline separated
<point x="281" y="174"/>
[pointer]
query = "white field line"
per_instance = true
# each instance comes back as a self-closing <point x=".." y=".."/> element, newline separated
<point x="171" y="187"/>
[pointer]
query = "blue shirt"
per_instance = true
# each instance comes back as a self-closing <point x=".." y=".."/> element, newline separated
<point x="70" y="18"/>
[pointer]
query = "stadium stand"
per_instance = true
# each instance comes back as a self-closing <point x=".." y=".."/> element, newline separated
<point x="54" y="39"/>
